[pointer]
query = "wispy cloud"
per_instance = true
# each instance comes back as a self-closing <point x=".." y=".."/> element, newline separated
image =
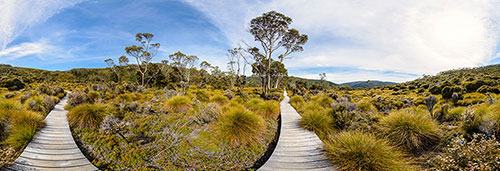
<point x="25" y="49"/>
<point x="17" y="16"/>
<point x="415" y="37"/>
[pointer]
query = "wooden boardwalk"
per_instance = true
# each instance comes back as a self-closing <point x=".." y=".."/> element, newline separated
<point x="297" y="148"/>
<point x="53" y="148"/>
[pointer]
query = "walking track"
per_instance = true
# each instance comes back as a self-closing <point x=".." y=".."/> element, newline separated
<point x="297" y="148"/>
<point x="53" y="147"/>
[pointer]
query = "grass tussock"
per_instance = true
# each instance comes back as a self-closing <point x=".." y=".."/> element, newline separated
<point x="88" y="115"/>
<point x="178" y="104"/>
<point x="319" y="122"/>
<point x="355" y="150"/>
<point x="253" y="104"/>
<point x="411" y="130"/>
<point x="238" y="126"/>
<point x="269" y="109"/>
<point x="219" y="99"/>
<point x="24" y="125"/>
<point x="10" y="105"/>
<point x="296" y="101"/>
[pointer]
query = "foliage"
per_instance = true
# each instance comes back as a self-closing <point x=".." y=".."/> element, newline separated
<point x="355" y="150"/>
<point x="207" y="113"/>
<point x="78" y="97"/>
<point x="219" y="99"/>
<point x="12" y="84"/>
<point x="411" y="129"/>
<point x="178" y="104"/>
<point x="269" y="109"/>
<point x="470" y="123"/>
<point x="239" y="126"/>
<point x="319" y="122"/>
<point x="481" y="153"/>
<point x="88" y="115"/>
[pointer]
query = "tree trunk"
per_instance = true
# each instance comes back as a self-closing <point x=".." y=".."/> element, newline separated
<point x="142" y="78"/>
<point x="277" y="82"/>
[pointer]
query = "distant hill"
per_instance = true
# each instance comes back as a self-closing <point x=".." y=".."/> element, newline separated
<point x="367" y="84"/>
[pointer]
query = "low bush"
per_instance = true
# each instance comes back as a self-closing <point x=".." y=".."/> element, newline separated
<point x="455" y="114"/>
<point x="37" y="104"/>
<point x="310" y="107"/>
<point x="355" y="150"/>
<point x="494" y="118"/>
<point x="411" y="129"/>
<point x="12" y="84"/>
<point x="366" y="106"/>
<point x="24" y="126"/>
<point x="269" y="109"/>
<point x="296" y="101"/>
<point x="278" y="96"/>
<point x="481" y="153"/>
<point x="319" y="122"/>
<point x="178" y="104"/>
<point x="323" y="100"/>
<point x="78" y="97"/>
<point x="239" y="126"/>
<point x="202" y="95"/>
<point x="470" y="124"/>
<point x="88" y="115"/>
<point x="471" y="99"/>
<point x="219" y="99"/>
<point x="229" y="94"/>
<point x="10" y="105"/>
<point x="207" y="114"/>
<point x="253" y="104"/>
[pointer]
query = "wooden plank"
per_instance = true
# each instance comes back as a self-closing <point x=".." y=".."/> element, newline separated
<point x="297" y="148"/>
<point x="53" y="148"/>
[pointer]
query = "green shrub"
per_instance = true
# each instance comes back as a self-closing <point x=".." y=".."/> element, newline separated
<point x="355" y="150"/>
<point x="494" y="118"/>
<point x="88" y="115"/>
<point x="10" y="105"/>
<point x="448" y="91"/>
<point x="178" y="104"/>
<point x="253" y="104"/>
<point x="470" y="123"/>
<point x="455" y="114"/>
<point x="310" y="107"/>
<point x="410" y="129"/>
<point x="471" y="99"/>
<point x="207" y="114"/>
<point x="343" y="119"/>
<point x="365" y="106"/>
<point x="296" y="101"/>
<point x="239" y="127"/>
<point x="278" y="96"/>
<point x="94" y="96"/>
<point x="324" y="101"/>
<point x="472" y="86"/>
<point x="481" y="153"/>
<point x="78" y="97"/>
<point x="269" y="109"/>
<point x="12" y="84"/>
<point x="24" y="126"/>
<point x="37" y="104"/>
<point x="319" y="122"/>
<point x="219" y="99"/>
<point x="202" y="95"/>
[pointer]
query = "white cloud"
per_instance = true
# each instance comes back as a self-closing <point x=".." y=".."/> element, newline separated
<point x="18" y="15"/>
<point x="415" y="36"/>
<point x="25" y="49"/>
<point x="42" y="49"/>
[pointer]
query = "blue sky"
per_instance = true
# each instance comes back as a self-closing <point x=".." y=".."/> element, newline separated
<point x="349" y="40"/>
